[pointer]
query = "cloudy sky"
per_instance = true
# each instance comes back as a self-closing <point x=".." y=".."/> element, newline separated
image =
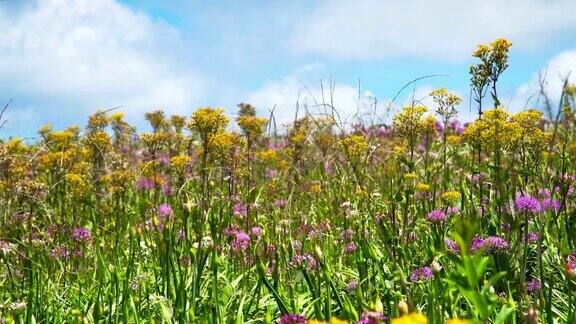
<point x="62" y="59"/>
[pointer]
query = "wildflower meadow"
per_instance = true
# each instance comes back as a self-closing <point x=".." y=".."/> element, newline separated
<point x="230" y="217"/>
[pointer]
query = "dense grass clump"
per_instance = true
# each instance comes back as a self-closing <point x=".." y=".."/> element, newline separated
<point x="419" y="220"/>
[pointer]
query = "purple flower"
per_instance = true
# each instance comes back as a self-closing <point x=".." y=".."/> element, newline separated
<point x="167" y="189"/>
<point x="231" y="230"/>
<point x="370" y="317"/>
<point x="164" y="211"/>
<point x="346" y="235"/>
<point x="451" y="246"/>
<point x="352" y="285"/>
<point x="533" y="285"/>
<point x="304" y="260"/>
<point x="496" y="244"/>
<point x="477" y="243"/>
<point x="240" y="242"/>
<point x="421" y="274"/>
<point x="144" y="183"/>
<point x="60" y="252"/>
<point x="292" y="319"/>
<point x="549" y="204"/>
<point x="351" y="247"/>
<point x="526" y="204"/>
<point x="256" y="231"/>
<point x="532" y="237"/>
<point x="436" y="216"/>
<point x="271" y="173"/>
<point x="81" y="234"/>
<point x="240" y="210"/>
<point x="453" y="210"/>
<point x="280" y="203"/>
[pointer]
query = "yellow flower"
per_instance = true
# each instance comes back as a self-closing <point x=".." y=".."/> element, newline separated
<point x="453" y="139"/>
<point x="98" y="120"/>
<point x="333" y="320"/>
<point x="208" y="121"/>
<point x="422" y="187"/>
<point x="410" y="125"/>
<point x="413" y="318"/>
<point x="156" y="119"/>
<point x="117" y="117"/>
<point x="252" y="126"/>
<point x="410" y="176"/>
<point x="355" y="147"/>
<point x="179" y="162"/>
<point x="451" y="197"/>
<point x="267" y="155"/>
<point x="457" y="321"/>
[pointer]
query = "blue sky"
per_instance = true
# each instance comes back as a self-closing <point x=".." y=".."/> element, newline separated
<point x="62" y="59"/>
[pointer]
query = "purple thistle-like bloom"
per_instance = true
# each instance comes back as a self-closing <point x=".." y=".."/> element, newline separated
<point x="346" y="235"/>
<point x="477" y="243"/>
<point x="451" y="246"/>
<point x="167" y="189"/>
<point x="240" y="210"/>
<point x="453" y="210"/>
<point x="352" y="285"/>
<point x="271" y="173"/>
<point x="421" y="274"/>
<point x="60" y="252"/>
<point x="549" y="205"/>
<point x="533" y="285"/>
<point x="280" y="203"/>
<point x="144" y="183"/>
<point x="351" y="247"/>
<point x="271" y="248"/>
<point x="304" y="260"/>
<point x="370" y="317"/>
<point x="436" y="216"/>
<point x="81" y="235"/>
<point x="532" y="237"/>
<point x="496" y="243"/>
<point x="526" y="204"/>
<point x="240" y="242"/>
<point x="292" y="319"/>
<point x="164" y="211"/>
<point x="231" y="230"/>
<point x="256" y="231"/>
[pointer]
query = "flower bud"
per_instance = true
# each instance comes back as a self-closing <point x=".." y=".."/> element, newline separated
<point x="403" y="307"/>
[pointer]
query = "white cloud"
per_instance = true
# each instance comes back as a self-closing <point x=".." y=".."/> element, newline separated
<point x="300" y="87"/>
<point x="446" y="29"/>
<point x="554" y="72"/>
<point x="88" y="54"/>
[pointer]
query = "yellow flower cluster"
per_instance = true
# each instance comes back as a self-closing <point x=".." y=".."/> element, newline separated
<point x="423" y="187"/>
<point x="451" y="197"/>
<point x="154" y="139"/>
<point x="355" y="148"/>
<point x="446" y="102"/>
<point x="223" y="142"/>
<point x="410" y="125"/>
<point x="267" y="156"/>
<point x="412" y="318"/>
<point x="207" y="122"/>
<point x="98" y="120"/>
<point x="252" y="126"/>
<point x="179" y="162"/>
<point x="498" y="131"/>
<point x="76" y="184"/>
